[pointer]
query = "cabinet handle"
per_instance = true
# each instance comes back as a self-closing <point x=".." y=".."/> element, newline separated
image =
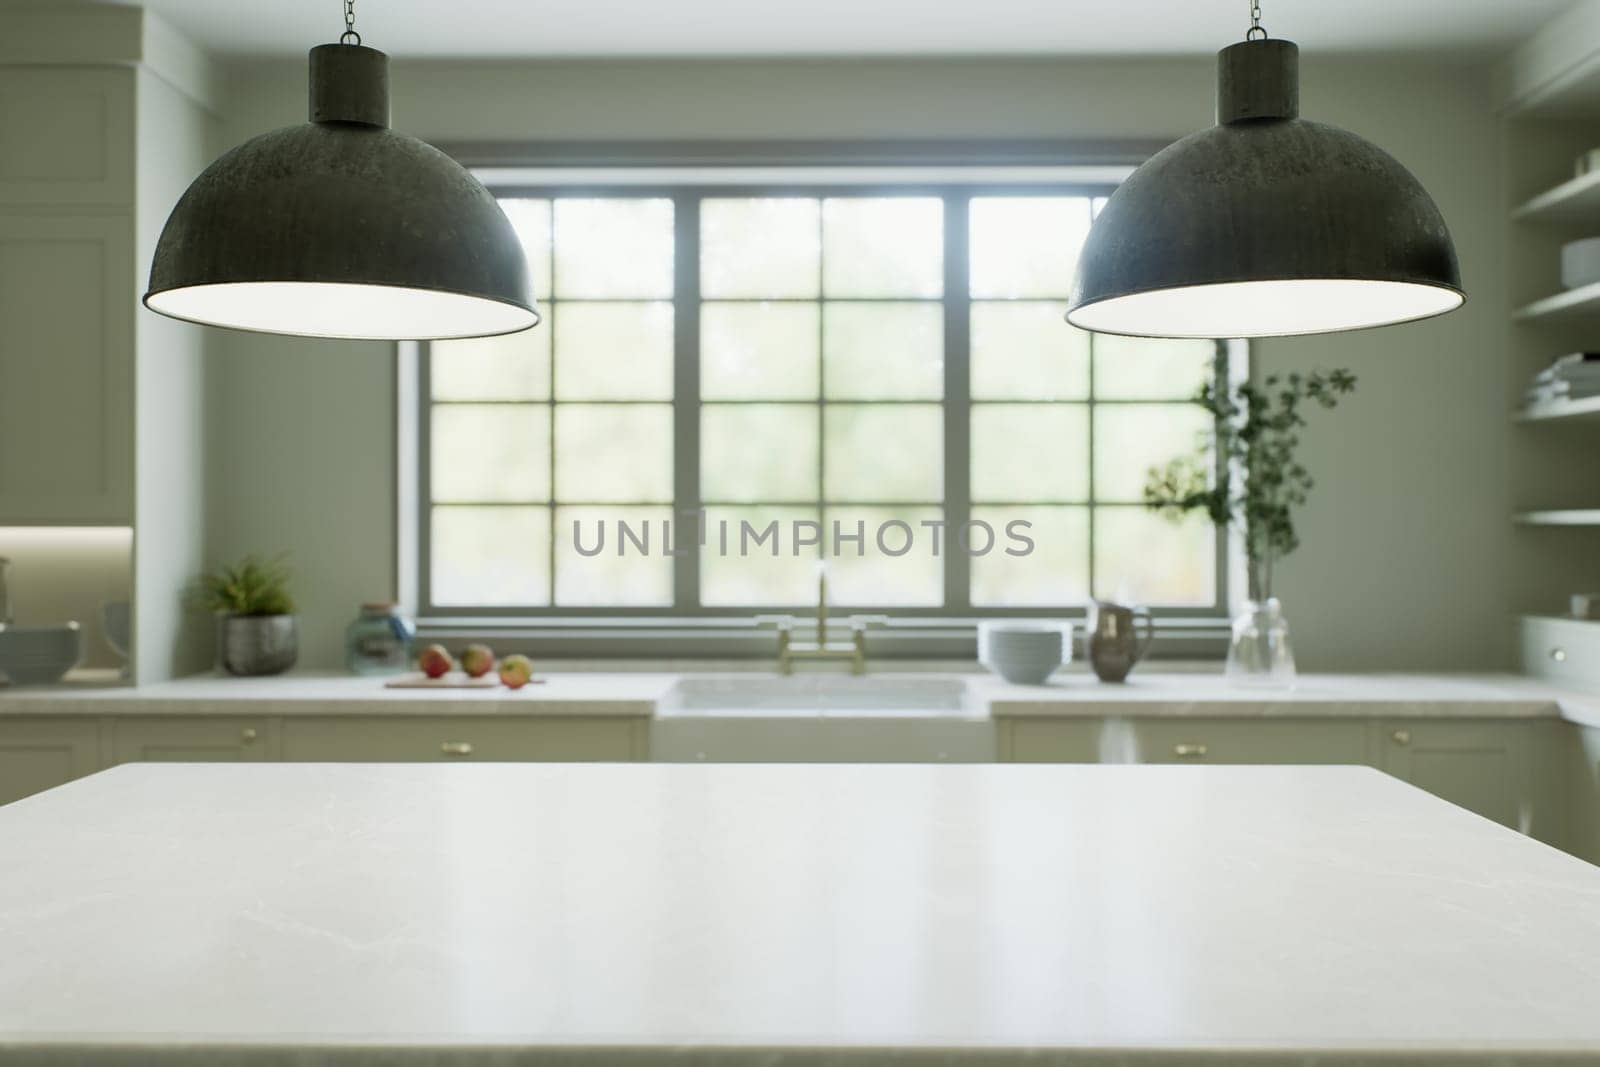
<point x="1401" y="737"/>
<point x="1189" y="751"/>
<point x="456" y="748"/>
<point x="1558" y="654"/>
<point x="248" y="734"/>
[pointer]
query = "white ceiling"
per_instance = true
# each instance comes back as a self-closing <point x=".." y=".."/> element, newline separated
<point x="1467" y="28"/>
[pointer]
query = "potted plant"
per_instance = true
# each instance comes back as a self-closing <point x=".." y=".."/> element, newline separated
<point x="1249" y="477"/>
<point x="257" y="632"/>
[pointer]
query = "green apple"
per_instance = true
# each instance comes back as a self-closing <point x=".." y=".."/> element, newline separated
<point x="477" y="660"/>
<point x="515" y="671"/>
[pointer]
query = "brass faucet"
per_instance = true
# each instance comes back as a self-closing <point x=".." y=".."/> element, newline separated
<point x="854" y="650"/>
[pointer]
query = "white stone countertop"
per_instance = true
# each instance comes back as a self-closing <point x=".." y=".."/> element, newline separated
<point x="503" y="914"/>
<point x="576" y="693"/>
<point x="1314" y="695"/>
<point x="638" y="693"/>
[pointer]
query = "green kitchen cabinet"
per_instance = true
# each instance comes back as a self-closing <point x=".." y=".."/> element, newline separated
<point x="1049" y="740"/>
<point x="40" y="753"/>
<point x="1471" y="763"/>
<point x="1221" y="741"/>
<point x="191" y="739"/>
<point x="463" y="737"/>
<point x="1182" y="739"/>
<point x="1583" y="781"/>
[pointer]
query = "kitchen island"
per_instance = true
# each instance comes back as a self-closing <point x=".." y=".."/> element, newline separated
<point x="519" y="913"/>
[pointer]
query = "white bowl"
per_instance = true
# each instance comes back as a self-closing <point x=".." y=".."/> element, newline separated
<point x="1024" y="652"/>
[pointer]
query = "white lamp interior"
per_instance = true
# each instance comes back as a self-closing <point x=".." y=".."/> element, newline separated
<point x="337" y="309"/>
<point x="1266" y="308"/>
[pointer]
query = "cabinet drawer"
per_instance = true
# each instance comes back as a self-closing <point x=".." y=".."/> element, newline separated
<point x="40" y="754"/>
<point x="1562" y="650"/>
<point x="374" y="740"/>
<point x="1469" y="763"/>
<point x="1050" y="740"/>
<point x="1249" y="741"/>
<point x="186" y="739"/>
<point x="1584" y="792"/>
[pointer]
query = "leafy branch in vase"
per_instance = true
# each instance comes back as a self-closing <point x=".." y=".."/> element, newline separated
<point x="1249" y="475"/>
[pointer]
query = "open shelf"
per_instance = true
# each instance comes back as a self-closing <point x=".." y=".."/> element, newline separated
<point x="1568" y="517"/>
<point x="1573" y="203"/>
<point x="1572" y="304"/>
<point x="1557" y="410"/>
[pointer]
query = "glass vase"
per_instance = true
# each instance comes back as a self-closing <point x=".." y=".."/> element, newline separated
<point x="1260" y="652"/>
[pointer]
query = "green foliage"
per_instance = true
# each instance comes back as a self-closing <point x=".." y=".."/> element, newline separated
<point x="1259" y="482"/>
<point x="252" y="586"/>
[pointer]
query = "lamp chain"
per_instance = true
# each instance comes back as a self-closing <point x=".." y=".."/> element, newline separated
<point x="1257" y="32"/>
<point x="349" y="36"/>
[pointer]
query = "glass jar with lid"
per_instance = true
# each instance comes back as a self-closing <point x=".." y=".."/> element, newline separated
<point x="379" y="641"/>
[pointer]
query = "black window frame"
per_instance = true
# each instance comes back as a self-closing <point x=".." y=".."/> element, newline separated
<point x="1187" y="630"/>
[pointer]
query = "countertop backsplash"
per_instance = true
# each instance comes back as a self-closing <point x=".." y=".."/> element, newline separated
<point x="60" y="574"/>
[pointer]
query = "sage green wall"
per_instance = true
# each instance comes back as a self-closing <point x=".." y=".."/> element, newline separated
<point x="172" y="635"/>
<point x="1403" y="564"/>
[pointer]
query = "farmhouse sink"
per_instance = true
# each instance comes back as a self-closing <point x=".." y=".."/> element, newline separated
<point x="819" y="695"/>
<point x="820" y="719"/>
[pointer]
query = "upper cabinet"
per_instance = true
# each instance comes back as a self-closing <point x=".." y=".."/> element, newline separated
<point x="66" y="137"/>
<point x="66" y="353"/>
<point x="68" y="291"/>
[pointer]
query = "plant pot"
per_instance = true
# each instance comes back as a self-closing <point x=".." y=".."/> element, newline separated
<point x="252" y="645"/>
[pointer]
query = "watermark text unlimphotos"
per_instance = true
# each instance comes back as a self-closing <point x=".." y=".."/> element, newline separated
<point x="690" y="531"/>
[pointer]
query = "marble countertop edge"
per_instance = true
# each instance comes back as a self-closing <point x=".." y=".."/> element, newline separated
<point x="627" y="694"/>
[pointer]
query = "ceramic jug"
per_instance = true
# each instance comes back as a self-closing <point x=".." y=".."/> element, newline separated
<point x="1114" y="643"/>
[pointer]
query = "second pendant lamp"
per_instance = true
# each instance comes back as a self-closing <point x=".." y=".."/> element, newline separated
<point x="342" y="227"/>
<point x="1264" y="225"/>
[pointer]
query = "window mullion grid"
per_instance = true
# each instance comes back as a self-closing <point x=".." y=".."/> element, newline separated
<point x="686" y="300"/>
<point x="1094" y="499"/>
<point x="822" y="390"/>
<point x="550" y="382"/>
<point x="425" y="476"/>
<point x="686" y="397"/>
<point x="957" y="401"/>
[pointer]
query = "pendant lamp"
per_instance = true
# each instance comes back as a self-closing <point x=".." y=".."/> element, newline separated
<point x="1265" y="225"/>
<point x="342" y="227"/>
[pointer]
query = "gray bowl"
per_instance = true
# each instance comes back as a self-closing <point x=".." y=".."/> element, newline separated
<point x="1022" y="652"/>
<point x="1024" y="672"/>
<point x="39" y="655"/>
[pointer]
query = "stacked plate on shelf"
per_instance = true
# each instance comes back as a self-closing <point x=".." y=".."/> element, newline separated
<point x="1575" y="376"/>
<point x="1024" y="652"/>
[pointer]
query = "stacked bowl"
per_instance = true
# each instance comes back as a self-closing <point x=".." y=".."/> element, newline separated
<point x="37" y="655"/>
<point x="1024" y="652"/>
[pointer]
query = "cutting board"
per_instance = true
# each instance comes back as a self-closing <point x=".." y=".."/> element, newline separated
<point x="453" y="680"/>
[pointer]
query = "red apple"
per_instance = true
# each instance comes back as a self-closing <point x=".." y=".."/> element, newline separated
<point x="515" y="671"/>
<point x="435" y="661"/>
<point x="477" y="660"/>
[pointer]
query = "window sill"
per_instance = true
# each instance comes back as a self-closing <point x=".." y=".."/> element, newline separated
<point x="945" y="641"/>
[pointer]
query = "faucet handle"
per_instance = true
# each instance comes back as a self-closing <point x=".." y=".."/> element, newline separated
<point x="775" y="622"/>
<point x="866" y="622"/>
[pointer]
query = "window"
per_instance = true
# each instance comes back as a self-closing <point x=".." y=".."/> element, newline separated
<point x="733" y="383"/>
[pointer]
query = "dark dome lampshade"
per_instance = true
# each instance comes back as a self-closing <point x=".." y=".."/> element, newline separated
<point x="1264" y="225"/>
<point x="342" y="228"/>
